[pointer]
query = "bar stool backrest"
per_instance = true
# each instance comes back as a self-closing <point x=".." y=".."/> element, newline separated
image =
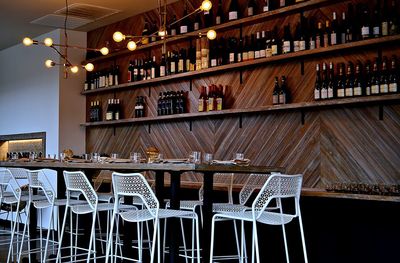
<point x="103" y="177"/>
<point x="278" y="186"/>
<point x="39" y="180"/>
<point x="8" y="185"/>
<point x="134" y="184"/>
<point x="19" y="173"/>
<point x="253" y="182"/>
<point x="221" y="180"/>
<point x="77" y="181"/>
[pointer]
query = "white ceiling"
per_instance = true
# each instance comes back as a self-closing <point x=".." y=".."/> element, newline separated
<point x="16" y="15"/>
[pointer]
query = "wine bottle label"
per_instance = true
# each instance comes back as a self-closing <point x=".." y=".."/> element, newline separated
<point x="368" y="90"/>
<point x="180" y="65"/>
<point x="282" y="98"/>
<point x="357" y="91"/>
<point x="330" y="93"/>
<point x="296" y="46"/>
<point x="324" y="94"/>
<point x="275" y="99"/>
<point x="233" y="15"/>
<point x="374" y="89"/>
<point x="250" y="55"/>
<point x="109" y="116"/>
<point x="274" y="50"/>
<point x="312" y="44"/>
<point x="173" y="67"/>
<point x="116" y="80"/>
<point x="265" y="8"/>
<point x="326" y="40"/>
<point x="250" y="11"/>
<point x="245" y="56"/>
<point x="135" y="72"/>
<point x="262" y="53"/>
<point x="384" y="88"/>
<point x="239" y="57"/>
<point x="153" y="73"/>
<point x="376" y="30"/>
<point x="210" y="104"/>
<point x="204" y="62"/>
<point x="173" y="32"/>
<point x="302" y="45"/>
<point x="257" y="54"/>
<point x="196" y="26"/>
<point x="231" y="57"/>
<point x="141" y="72"/>
<point x="349" y="92"/>
<point x="317" y="94"/>
<point x="213" y="62"/>
<point x="268" y="52"/>
<point x="116" y="115"/>
<point x="282" y="3"/>
<point x="317" y="42"/>
<point x="340" y="93"/>
<point x="365" y="31"/>
<point x="110" y="80"/>
<point x="140" y="107"/>
<point x="393" y="87"/>
<point x="333" y="39"/>
<point x="286" y="47"/>
<point x="385" y="28"/>
<point x="201" y="105"/>
<point x="162" y="71"/>
<point x="188" y="68"/>
<point x="219" y="103"/>
<point x="86" y="86"/>
<point x="343" y="37"/>
<point x="198" y="64"/>
<point x="184" y="29"/>
<point x="218" y="20"/>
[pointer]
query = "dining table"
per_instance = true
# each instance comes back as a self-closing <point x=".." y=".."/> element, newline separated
<point x="175" y="169"/>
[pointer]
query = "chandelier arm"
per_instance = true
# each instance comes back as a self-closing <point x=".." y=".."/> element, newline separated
<point x="180" y="19"/>
<point x="67" y="62"/>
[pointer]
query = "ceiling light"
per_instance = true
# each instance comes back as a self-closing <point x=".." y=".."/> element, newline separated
<point x="211" y="34"/>
<point x="131" y="45"/>
<point x="206" y="5"/>
<point x="118" y="36"/>
<point x="48" y="42"/>
<point x="49" y="63"/>
<point x="89" y="67"/>
<point x="27" y="41"/>
<point x="104" y="51"/>
<point x="74" y="69"/>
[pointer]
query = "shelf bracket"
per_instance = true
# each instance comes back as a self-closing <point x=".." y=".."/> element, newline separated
<point x="302" y="67"/>
<point x="149" y="129"/>
<point x="240" y="121"/>
<point x="303" y="117"/>
<point x="190" y="125"/>
<point x="149" y="92"/>
<point x="190" y="84"/>
<point x="380" y="112"/>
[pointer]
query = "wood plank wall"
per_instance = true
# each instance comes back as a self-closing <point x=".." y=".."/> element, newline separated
<point x="345" y="144"/>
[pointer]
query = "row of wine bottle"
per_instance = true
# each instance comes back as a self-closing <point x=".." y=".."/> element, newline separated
<point x="212" y="98"/>
<point x="361" y="81"/>
<point x="95" y="112"/>
<point x="140" y="107"/>
<point x="102" y="79"/>
<point x="171" y="102"/>
<point x="113" y="111"/>
<point x="280" y="94"/>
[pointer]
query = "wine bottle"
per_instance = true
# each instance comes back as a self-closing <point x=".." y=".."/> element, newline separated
<point x="274" y="42"/>
<point x="266" y="6"/>
<point x="202" y="100"/>
<point x="239" y="53"/>
<point x="233" y="10"/>
<point x="365" y="27"/>
<point x="349" y="92"/>
<point x="283" y="92"/>
<point x="197" y="23"/>
<point x="219" y="19"/>
<point x="318" y="83"/>
<point x="376" y="21"/>
<point x="287" y="42"/>
<point x="198" y="53"/>
<point x="358" y="84"/>
<point x="222" y="56"/>
<point x="109" y="112"/>
<point x="245" y="50"/>
<point x="251" y="8"/>
<point x="154" y="68"/>
<point x="325" y="82"/>
<point x="257" y="46"/>
<point x="368" y="78"/>
<point x="349" y="37"/>
<point x="116" y="75"/>
<point x="211" y="99"/>
<point x="91" y="112"/>
<point x="163" y="66"/>
<point x="192" y="58"/>
<point x="182" y="61"/>
<point x="375" y="80"/>
<point x="341" y="83"/>
<point x="117" y="111"/>
<point x="251" y="48"/>
<point x="384" y="81"/>
<point x="327" y="34"/>
<point x="303" y="30"/>
<point x="385" y="19"/>
<point x="220" y="98"/>
<point x="263" y="44"/>
<point x="173" y="26"/>
<point x="135" y="76"/>
<point x="130" y="71"/>
<point x="141" y="70"/>
<point x="393" y="20"/>
<point x="275" y="94"/>
<point x="232" y="50"/>
<point x="205" y="53"/>
<point x="394" y="78"/>
<point x="208" y="18"/>
<point x="148" y="68"/>
<point x="213" y="53"/>
<point x="137" y="107"/>
<point x="312" y="38"/>
<point x="184" y="22"/>
<point x="334" y="30"/>
<point x="319" y="38"/>
<point x="173" y="63"/>
<point x="159" y="104"/>
<point x="331" y="84"/>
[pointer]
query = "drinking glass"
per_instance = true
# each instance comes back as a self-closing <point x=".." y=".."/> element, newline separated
<point x="114" y="156"/>
<point x="239" y="156"/>
<point x="95" y="157"/>
<point x="208" y="158"/>
<point x="87" y="157"/>
<point x="135" y="157"/>
<point x="62" y="157"/>
<point x="195" y="157"/>
<point x="32" y="156"/>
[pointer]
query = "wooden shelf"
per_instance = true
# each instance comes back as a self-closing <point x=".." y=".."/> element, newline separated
<point x="323" y="193"/>
<point x="282" y="107"/>
<point x="304" y="6"/>
<point x="252" y="63"/>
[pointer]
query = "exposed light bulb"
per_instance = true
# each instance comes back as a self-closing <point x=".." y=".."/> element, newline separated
<point x="118" y="36"/>
<point x="74" y="69"/>
<point x="131" y="45"/>
<point x="206" y="5"/>
<point x="211" y="34"/>
<point x="89" y="67"/>
<point x="48" y="42"/>
<point x="104" y="51"/>
<point x="162" y="32"/>
<point x="49" y="63"/>
<point x="27" y="41"/>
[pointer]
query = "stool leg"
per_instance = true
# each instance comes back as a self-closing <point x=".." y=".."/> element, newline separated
<point x="110" y="238"/>
<point x="256" y="241"/>
<point x="184" y="240"/>
<point x="10" y="251"/>
<point x="197" y="239"/>
<point x="48" y="233"/>
<point x="302" y="237"/>
<point x="91" y="237"/>
<point x="212" y="239"/>
<point x="62" y="234"/>
<point x="26" y="228"/>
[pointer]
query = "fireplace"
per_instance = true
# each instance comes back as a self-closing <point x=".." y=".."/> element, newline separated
<point x="22" y="144"/>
